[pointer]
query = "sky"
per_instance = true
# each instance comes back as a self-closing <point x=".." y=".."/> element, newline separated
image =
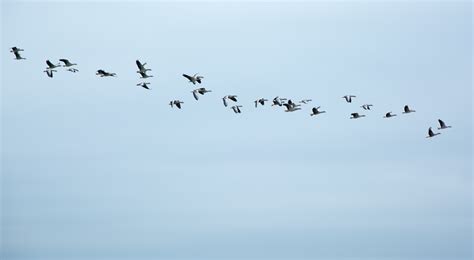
<point x="98" y="168"/>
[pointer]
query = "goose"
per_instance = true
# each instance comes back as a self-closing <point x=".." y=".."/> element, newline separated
<point x="389" y="114"/>
<point x="144" y="85"/>
<point x="103" y="73"/>
<point x="277" y="101"/>
<point x="177" y="103"/>
<point x="261" y="101"/>
<point x="141" y="67"/>
<point x="74" y="70"/>
<point x="49" y="72"/>
<point x="193" y="79"/>
<point x="16" y="52"/>
<point x="407" y="110"/>
<point x="305" y="101"/>
<point x="291" y="106"/>
<point x="348" y="98"/>
<point x="366" y="106"/>
<point x="67" y="63"/>
<point x="356" y="115"/>
<point x="431" y="134"/>
<point x="51" y="65"/>
<point x="315" y="111"/>
<point x="201" y="91"/>
<point x="144" y="75"/>
<point x="237" y="109"/>
<point x="442" y="125"/>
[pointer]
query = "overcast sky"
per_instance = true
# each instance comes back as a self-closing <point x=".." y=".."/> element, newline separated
<point x="100" y="168"/>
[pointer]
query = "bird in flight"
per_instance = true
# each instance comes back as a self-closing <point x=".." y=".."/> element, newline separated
<point x="315" y="111"/>
<point x="366" y="106"/>
<point x="51" y="65"/>
<point x="389" y="114"/>
<point x="237" y="109"/>
<point x="67" y="63"/>
<point x="49" y="72"/>
<point x="176" y="103"/>
<point x="144" y="75"/>
<point x="305" y="101"/>
<point x="231" y="97"/>
<point x="260" y="101"/>
<point x="16" y="52"/>
<point x="103" y="73"/>
<point x="291" y="106"/>
<point x="431" y="134"/>
<point x="144" y="85"/>
<point x="356" y="115"/>
<point x="201" y="91"/>
<point x="442" y="125"/>
<point x="348" y="98"/>
<point x="407" y="110"/>
<point x="193" y="79"/>
<point x="141" y="67"/>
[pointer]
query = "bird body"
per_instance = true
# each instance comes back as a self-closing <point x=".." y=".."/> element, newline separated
<point x="315" y="111"/>
<point x="348" y="98"/>
<point x="103" y="73"/>
<point x="389" y="114"/>
<point x="201" y="91"/>
<point x="144" y="85"/>
<point x="260" y="101"/>
<point x="442" y="125"/>
<point x="177" y="103"/>
<point x="407" y="110"/>
<point x="193" y="79"/>
<point x="356" y="115"/>
<point x="144" y="75"/>
<point x="431" y="134"/>
<point x="16" y="52"/>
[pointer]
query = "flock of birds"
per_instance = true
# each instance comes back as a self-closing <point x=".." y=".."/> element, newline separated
<point x="197" y="79"/>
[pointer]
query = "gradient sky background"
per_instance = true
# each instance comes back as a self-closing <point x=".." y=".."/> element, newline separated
<point x="100" y="168"/>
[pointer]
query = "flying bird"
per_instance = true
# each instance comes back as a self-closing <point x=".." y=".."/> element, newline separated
<point x="277" y="101"/>
<point x="389" y="114"/>
<point x="431" y="134"/>
<point x="366" y="106"/>
<point x="356" y="115"/>
<point x="74" y="70"/>
<point x="407" y="110"/>
<point x="348" y="98"/>
<point x="201" y="91"/>
<point x="141" y="67"/>
<point x="177" y="103"/>
<point x="49" y="72"/>
<point x="144" y="75"/>
<point x="442" y="125"/>
<point x="291" y="106"/>
<point x="260" y="101"/>
<point x="231" y="97"/>
<point x="237" y="109"/>
<point x="305" y="101"/>
<point x="103" y="73"/>
<point x="51" y="65"/>
<point x="67" y="63"/>
<point x="144" y="85"/>
<point x="315" y="111"/>
<point x="16" y="52"/>
<point x="193" y="79"/>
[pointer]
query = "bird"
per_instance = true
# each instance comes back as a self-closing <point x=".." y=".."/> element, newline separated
<point x="305" y="101"/>
<point x="67" y="63"/>
<point x="74" y="70"/>
<point x="291" y="106"/>
<point x="193" y="79"/>
<point x="144" y="85"/>
<point x="177" y="103"/>
<point x="366" y="106"/>
<point x="348" y="98"/>
<point x="277" y="101"/>
<point x="16" y="52"/>
<point x="201" y="91"/>
<point x="407" y="110"/>
<point x="141" y="67"/>
<point x="103" y="73"/>
<point x="260" y="101"/>
<point x="144" y="75"/>
<point x="49" y="72"/>
<point x="356" y="115"/>
<point x="51" y="65"/>
<point x="389" y="114"/>
<point x="442" y="125"/>
<point x="231" y="97"/>
<point x="236" y="109"/>
<point x="315" y="111"/>
<point x="431" y="134"/>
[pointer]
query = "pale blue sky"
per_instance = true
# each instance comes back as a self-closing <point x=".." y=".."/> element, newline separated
<point x="100" y="168"/>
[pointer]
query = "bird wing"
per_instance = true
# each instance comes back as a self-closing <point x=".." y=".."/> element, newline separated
<point x="195" y="95"/>
<point x="406" y="108"/>
<point x="178" y="105"/>
<point x="355" y="114"/>
<point x="139" y="65"/>
<point x="233" y="98"/>
<point x="51" y="65"/>
<point x="224" y="99"/>
<point x="441" y="123"/>
<point x="65" y="61"/>
<point x="188" y="77"/>
<point x="17" y="55"/>
<point x="198" y="79"/>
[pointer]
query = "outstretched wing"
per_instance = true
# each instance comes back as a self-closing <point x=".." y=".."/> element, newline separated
<point x="51" y="65"/>
<point x="188" y="77"/>
<point x="195" y="95"/>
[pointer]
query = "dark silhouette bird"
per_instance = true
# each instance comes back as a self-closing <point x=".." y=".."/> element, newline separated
<point x="431" y="134"/>
<point x="407" y="110"/>
<point x="231" y="97"/>
<point x="315" y="111"/>
<point x="141" y="67"/>
<point x="356" y="115"/>
<point x="348" y="98"/>
<point x="74" y="70"/>
<point x="366" y="106"/>
<point x="236" y="109"/>
<point x="305" y="101"/>
<point x="442" y="125"/>
<point x="49" y="72"/>
<point x="277" y="101"/>
<point x="193" y="79"/>
<point x="291" y="106"/>
<point x="201" y="91"/>
<point x="16" y="52"/>
<point x="144" y="85"/>
<point x="144" y="75"/>
<point x="67" y="63"/>
<point x="103" y="73"/>
<point x="176" y="103"/>
<point x="260" y="101"/>
<point x="51" y="65"/>
<point x="389" y="114"/>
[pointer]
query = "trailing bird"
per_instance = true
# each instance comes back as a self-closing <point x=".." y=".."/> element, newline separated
<point x="356" y="115"/>
<point x="277" y="101"/>
<point x="201" y="91"/>
<point x="104" y="73"/>
<point x="431" y="134"/>
<point x="261" y="101"/>
<point x="193" y="79"/>
<point x="74" y="70"/>
<point x="16" y="52"/>
<point x="389" y="114"/>
<point x="144" y="85"/>
<point x="315" y="111"/>
<point x="177" y="103"/>
<point x="407" y="110"/>
<point x="67" y="63"/>
<point x="51" y="65"/>
<point x="366" y="106"/>
<point x="231" y="97"/>
<point x="291" y="107"/>
<point x="141" y="67"/>
<point x="442" y="125"/>
<point x="305" y="101"/>
<point x="348" y="98"/>
<point x="236" y="109"/>
<point x="144" y="75"/>
<point x="49" y="72"/>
